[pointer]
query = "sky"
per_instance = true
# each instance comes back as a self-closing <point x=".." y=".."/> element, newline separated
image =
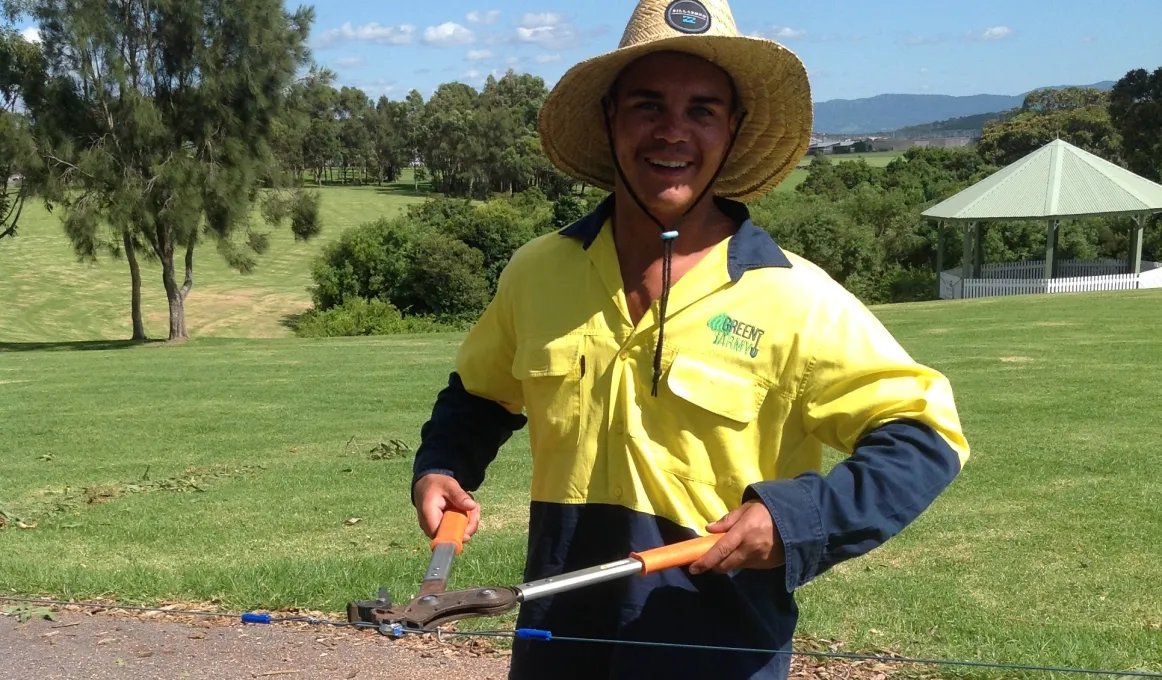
<point x="852" y="48"/>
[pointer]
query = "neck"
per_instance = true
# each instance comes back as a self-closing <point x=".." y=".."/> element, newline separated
<point x="639" y="237"/>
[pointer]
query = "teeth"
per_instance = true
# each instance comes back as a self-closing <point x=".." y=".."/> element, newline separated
<point x="670" y="164"/>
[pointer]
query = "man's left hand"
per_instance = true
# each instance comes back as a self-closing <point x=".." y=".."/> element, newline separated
<point x="751" y="541"/>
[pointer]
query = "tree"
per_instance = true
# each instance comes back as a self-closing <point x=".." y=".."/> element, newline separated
<point x="156" y="120"/>
<point x="1136" y="112"/>
<point x="1080" y="116"/>
<point x="20" y="71"/>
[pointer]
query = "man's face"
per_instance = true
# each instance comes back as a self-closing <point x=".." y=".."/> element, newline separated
<point x="672" y="123"/>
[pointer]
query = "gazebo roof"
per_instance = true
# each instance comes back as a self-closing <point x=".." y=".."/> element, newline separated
<point x="1058" y="180"/>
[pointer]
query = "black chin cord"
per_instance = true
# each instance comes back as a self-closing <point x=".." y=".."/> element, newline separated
<point x="668" y="235"/>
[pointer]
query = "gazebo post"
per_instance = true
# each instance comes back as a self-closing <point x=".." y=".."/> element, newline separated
<point x="1136" y="230"/>
<point x="1051" y="249"/>
<point x="966" y="263"/>
<point x="978" y="252"/>
<point x="939" y="255"/>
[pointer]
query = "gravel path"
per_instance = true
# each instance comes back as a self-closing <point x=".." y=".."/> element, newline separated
<point x="103" y="646"/>
<point x="96" y="644"/>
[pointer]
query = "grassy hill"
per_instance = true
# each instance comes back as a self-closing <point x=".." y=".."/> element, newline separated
<point x="250" y="473"/>
<point x="46" y="295"/>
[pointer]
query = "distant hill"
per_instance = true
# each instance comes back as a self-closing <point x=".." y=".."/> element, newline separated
<point x="888" y="112"/>
<point x="942" y="127"/>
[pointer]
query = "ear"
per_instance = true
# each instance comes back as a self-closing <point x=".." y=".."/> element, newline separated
<point x="608" y="107"/>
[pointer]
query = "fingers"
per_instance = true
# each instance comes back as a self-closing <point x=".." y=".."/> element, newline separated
<point x="432" y="513"/>
<point x="720" y="551"/>
<point x="439" y="494"/>
<point x="728" y="520"/>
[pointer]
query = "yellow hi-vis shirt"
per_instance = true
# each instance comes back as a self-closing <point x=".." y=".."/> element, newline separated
<point x="766" y="360"/>
<point x="762" y="367"/>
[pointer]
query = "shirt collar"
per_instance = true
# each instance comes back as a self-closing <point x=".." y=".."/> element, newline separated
<point x="749" y="248"/>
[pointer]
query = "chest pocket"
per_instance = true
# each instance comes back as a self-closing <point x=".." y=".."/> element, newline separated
<point x="552" y="375"/>
<point x="707" y="426"/>
<point x="725" y="393"/>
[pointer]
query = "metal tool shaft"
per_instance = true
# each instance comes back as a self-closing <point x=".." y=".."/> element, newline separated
<point x="436" y="578"/>
<point x="552" y="585"/>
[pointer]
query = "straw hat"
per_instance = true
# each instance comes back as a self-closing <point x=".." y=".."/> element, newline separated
<point x="771" y="81"/>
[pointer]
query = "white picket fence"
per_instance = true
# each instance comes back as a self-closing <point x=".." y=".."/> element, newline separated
<point x="1024" y="278"/>
<point x="1035" y="269"/>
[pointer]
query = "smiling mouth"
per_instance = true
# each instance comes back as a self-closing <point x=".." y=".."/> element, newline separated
<point x="668" y="165"/>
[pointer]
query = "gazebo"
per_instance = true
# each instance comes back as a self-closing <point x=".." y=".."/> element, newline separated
<point x="1058" y="181"/>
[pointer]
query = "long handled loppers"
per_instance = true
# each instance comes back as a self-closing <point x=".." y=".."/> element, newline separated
<point x="434" y="605"/>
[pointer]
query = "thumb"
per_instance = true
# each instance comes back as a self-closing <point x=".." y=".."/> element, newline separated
<point x="461" y="499"/>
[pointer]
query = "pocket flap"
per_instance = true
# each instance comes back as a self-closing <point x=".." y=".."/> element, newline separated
<point x="714" y="388"/>
<point x="556" y="357"/>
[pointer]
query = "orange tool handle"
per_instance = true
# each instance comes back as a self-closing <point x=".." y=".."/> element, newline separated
<point x="451" y="530"/>
<point x="675" y="555"/>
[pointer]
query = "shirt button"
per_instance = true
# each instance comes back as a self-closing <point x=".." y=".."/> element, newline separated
<point x="617" y="492"/>
<point x="623" y="354"/>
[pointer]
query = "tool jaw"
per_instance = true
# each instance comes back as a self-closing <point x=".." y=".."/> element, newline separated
<point x="435" y="609"/>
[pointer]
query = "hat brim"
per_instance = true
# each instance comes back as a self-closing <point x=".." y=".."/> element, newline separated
<point x="773" y="89"/>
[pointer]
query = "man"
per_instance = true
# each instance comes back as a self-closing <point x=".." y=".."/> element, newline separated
<point x="680" y="373"/>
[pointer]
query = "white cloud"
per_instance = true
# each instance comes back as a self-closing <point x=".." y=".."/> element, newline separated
<point x="547" y="30"/>
<point x="31" y="34"/>
<point x="370" y="33"/>
<point x="786" y="33"/>
<point x="478" y="55"/>
<point x="992" y="33"/>
<point x="488" y="18"/>
<point x="376" y="88"/>
<point x="348" y="62"/>
<point x="917" y="40"/>
<point x="546" y="58"/>
<point x="448" y="34"/>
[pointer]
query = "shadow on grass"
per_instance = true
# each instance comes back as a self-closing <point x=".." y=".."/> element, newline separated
<point x="76" y="346"/>
<point x="291" y="321"/>
<point x="406" y="190"/>
<point x="403" y="189"/>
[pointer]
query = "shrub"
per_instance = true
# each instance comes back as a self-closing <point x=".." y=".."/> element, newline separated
<point x="366" y="262"/>
<point x="357" y="316"/>
<point x="444" y="278"/>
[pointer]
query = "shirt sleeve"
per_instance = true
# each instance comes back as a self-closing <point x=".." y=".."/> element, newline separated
<point x="862" y="395"/>
<point x="482" y="405"/>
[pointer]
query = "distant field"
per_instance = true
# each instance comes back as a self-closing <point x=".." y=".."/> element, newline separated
<point x="234" y="471"/>
<point x="877" y="159"/>
<point x="46" y="295"/>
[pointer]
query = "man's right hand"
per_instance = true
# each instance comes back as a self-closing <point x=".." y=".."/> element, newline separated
<point x="435" y="493"/>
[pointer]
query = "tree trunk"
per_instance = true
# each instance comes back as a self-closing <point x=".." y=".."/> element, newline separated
<point x="177" y="296"/>
<point x="135" y="295"/>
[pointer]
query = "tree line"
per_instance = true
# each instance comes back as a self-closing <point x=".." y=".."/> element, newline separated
<point x="462" y="142"/>
<point x="158" y="129"/>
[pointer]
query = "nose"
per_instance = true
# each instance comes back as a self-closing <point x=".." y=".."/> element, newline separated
<point x="671" y="126"/>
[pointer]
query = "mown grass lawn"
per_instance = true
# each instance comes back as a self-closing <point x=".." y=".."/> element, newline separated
<point x="227" y="470"/>
<point x="46" y="295"/>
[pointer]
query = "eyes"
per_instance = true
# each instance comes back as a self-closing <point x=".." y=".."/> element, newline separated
<point x="695" y="111"/>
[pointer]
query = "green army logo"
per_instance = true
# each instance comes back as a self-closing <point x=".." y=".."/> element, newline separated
<point x="736" y="335"/>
